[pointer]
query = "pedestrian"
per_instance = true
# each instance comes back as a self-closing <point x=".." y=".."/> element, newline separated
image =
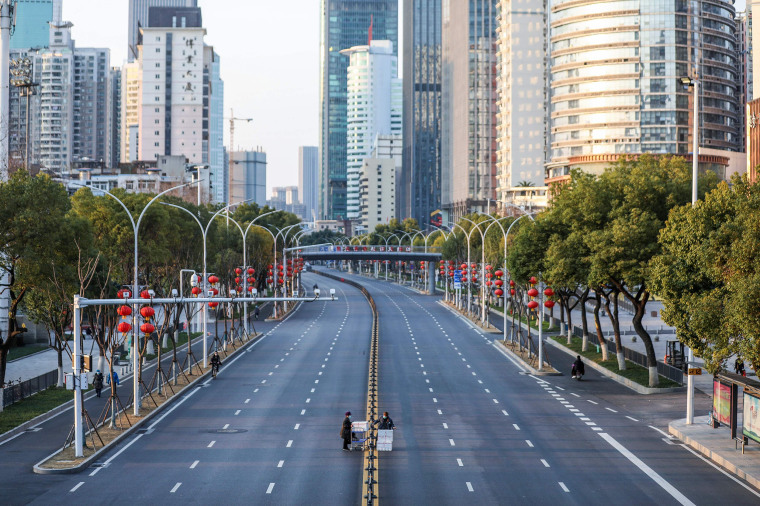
<point x="97" y="382"/>
<point x="739" y="367"/>
<point x="114" y="377"/>
<point x="345" y="432"/>
<point x="256" y="313"/>
<point x="385" y="423"/>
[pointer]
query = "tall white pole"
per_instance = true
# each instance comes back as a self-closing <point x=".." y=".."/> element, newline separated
<point x="6" y="19"/>
<point x="694" y="179"/>
<point x="78" y="426"/>
<point x="540" y="325"/>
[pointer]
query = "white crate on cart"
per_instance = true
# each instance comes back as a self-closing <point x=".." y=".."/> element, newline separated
<point x="384" y="440"/>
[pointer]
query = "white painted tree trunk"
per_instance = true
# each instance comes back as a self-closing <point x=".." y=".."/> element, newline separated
<point x="621" y="361"/>
<point x="584" y="347"/>
<point x="60" y="376"/>
<point x="654" y="378"/>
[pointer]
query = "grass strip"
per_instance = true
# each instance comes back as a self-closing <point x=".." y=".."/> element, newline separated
<point x="633" y="372"/>
<point x="33" y="406"/>
<point x="23" y="351"/>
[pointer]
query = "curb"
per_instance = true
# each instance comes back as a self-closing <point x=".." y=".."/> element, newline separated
<point x="640" y="389"/>
<point x="713" y="456"/>
<point x="136" y="426"/>
<point x="515" y="356"/>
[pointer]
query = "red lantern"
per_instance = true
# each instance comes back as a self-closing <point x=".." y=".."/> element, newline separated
<point x="251" y="281"/>
<point x="549" y="304"/>
<point x="463" y="266"/>
<point x="498" y="273"/>
<point x="213" y="279"/>
<point x="464" y="279"/>
<point x="548" y="292"/>
<point x="147" y="328"/>
<point x="499" y="292"/>
<point x="488" y="283"/>
<point x="473" y="265"/>
<point x="239" y="289"/>
<point x="488" y="267"/>
<point x="124" y="327"/>
<point x="280" y="267"/>
<point x="214" y="291"/>
<point x="237" y="281"/>
<point x="212" y="305"/>
<point x="451" y="274"/>
<point x="498" y="282"/>
<point x="251" y="271"/>
<point x="511" y="282"/>
<point x="512" y="291"/>
<point x="532" y="292"/>
<point x="125" y="311"/>
<point x="145" y="294"/>
<point x="196" y="290"/>
<point x="533" y="304"/>
<point x="250" y="289"/>
<point x="271" y="266"/>
<point x="238" y="271"/>
<point x="533" y="280"/>
<point x="147" y="312"/>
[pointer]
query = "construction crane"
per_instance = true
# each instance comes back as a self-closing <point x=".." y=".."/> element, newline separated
<point x="232" y="120"/>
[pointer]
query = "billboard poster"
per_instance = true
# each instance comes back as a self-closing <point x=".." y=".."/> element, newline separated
<point x="751" y="424"/>
<point x="721" y="402"/>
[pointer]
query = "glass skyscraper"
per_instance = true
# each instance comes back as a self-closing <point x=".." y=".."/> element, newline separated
<point x="32" y="24"/>
<point x="614" y="78"/>
<point x="419" y="191"/>
<point x="344" y="24"/>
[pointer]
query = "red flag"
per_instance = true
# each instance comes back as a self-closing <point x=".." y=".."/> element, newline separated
<point x="371" y="19"/>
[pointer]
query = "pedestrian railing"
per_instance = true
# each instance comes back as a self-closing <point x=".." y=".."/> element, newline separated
<point x="15" y="391"/>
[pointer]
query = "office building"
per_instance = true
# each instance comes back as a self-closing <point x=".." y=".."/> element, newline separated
<point x="131" y="86"/>
<point x="308" y="180"/>
<point x="138" y="18"/>
<point x="615" y="87"/>
<point x="344" y="24"/>
<point x="249" y="177"/>
<point x="522" y="99"/>
<point x="374" y="103"/>
<point x="418" y="192"/>
<point x="214" y="138"/>
<point x="33" y="19"/>
<point x="468" y="137"/>
<point x="377" y="193"/>
<point x="114" y="121"/>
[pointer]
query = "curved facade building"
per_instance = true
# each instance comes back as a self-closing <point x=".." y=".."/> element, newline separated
<point x="615" y="66"/>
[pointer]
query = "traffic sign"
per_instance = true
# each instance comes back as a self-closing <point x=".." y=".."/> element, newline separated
<point x="694" y="371"/>
<point x="457" y="279"/>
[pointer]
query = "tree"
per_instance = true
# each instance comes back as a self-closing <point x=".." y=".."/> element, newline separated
<point x="31" y="238"/>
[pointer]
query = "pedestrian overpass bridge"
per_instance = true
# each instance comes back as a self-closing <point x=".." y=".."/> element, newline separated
<point x="366" y="252"/>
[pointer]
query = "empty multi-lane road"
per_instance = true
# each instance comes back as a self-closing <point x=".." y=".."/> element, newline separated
<point x="472" y="425"/>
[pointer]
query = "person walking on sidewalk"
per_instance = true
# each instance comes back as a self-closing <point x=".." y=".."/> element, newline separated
<point x="113" y="378"/>
<point x="97" y="382"/>
<point x="739" y="367"/>
<point x="345" y="432"/>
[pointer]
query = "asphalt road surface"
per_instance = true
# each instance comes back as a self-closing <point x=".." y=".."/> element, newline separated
<point x="472" y="425"/>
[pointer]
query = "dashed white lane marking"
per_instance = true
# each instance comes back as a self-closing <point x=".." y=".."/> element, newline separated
<point x="431" y="390"/>
<point x="263" y="381"/>
<point x="237" y="412"/>
<point x="226" y="425"/>
<point x="303" y="412"/>
<point x="255" y="390"/>
<point x="451" y="441"/>
<point x="495" y="401"/>
<point x="194" y="464"/>
<point x="271" y="373"/>
<point x="211" y="444"/>
<point x="487" y="391"/>
<point x="313" y="390"/>
<point x="459" y="461"/>
<point x="670" y="489"/>
<point x="435" y="400"/>
<point x="247" y="401"/>
<point x="270" y="487"/>
<point x="505" y="412"/>
<point x="610" y="409"/>
<point x="529" y="443"/>
<point x="320" y="373"/>
<point x="76" y="486"/>
<point x="564" y="487"/>
<point x="517" y="427"/>
<point x="469" y="487"/>
<point x="545" y="463"/>
<point x="592" y="402"/>
<point x="179" y="484"/>
<point x="440" y="412"/>
<point x="579" y="414"/>
<point x="280" y="463"/>
<point x="572" y="393"/>
<point x="445" y="426"/>
<point x="290" y="443"/>
<point x="308" y="400"/>
<point x="297" y="426"/>
<point x="631" y="418"/>
<point x="317" y="381"/>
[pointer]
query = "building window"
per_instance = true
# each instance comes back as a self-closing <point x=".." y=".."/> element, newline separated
<point x="158" y="49"/>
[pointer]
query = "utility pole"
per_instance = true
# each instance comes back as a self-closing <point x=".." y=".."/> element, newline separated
<point x="7" y="21"/>
<point x="233" y="119"/>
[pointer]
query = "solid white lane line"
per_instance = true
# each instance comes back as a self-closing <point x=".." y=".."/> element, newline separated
<point x="459" y="461"/>
<point x="270" y="487"/>
<point x="722" y="471"/>
<point x="451" y="441"/>
<point x="505" y="412"/>
<point x="545" y="463"/>
<point x="592" y="402"/>
<point x="670" y="489"/>
<point x="517" y="427"/>
<point x="469" y="487"/>
<point x="661" y="432"/>
<point x="296" y="427"/>
<point x="564" y="487"/>
<point x="194" y="464"/>
<point x="290" y="443"/>
<point x="179" y="484"/>
<point x="211" y="444"/>
<point x="280" y="463"/>
<point x="631" y="418"/>
<point x="226" y="425"/>
<point x="77" y="486"/>
<point x="529" y="443"/>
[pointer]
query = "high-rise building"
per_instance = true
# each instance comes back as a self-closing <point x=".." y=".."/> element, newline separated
<point x="33" y="19"/>
<point x="138" y="18"/>
<point x="418" y="189"/>
<point x="374" y="108"/>
<point x="615" y="76"/>
<point x="377" y="192"/>
<point x="114" y="122"/>
<point x="91" y="139"/>
<point x="344" y="24"/>
<point x="131" y="98"/>
<point x="522" y="97"/>
<point x="308" y="180"/>
<point x="249" y="177"/>
<point x="214" y="117"/>
<point x="744" y="55"/>
<point x="468" y="137"/>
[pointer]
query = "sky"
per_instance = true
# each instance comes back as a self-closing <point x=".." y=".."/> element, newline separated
<point x="270" y="66"/>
